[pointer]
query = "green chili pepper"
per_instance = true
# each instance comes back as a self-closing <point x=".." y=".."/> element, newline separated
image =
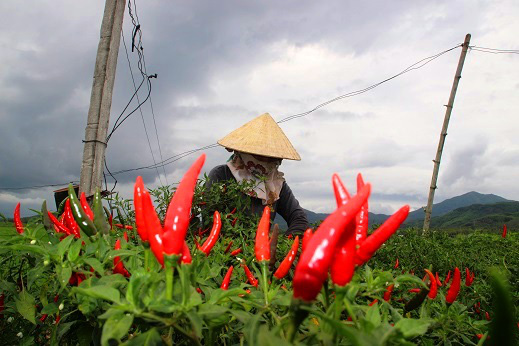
<point x="417" y="300"/>
<point x="45" y="216"/>
<point x="99" y="218"/>
<point x="80" y="216"/>
<point x="61" y="207"/>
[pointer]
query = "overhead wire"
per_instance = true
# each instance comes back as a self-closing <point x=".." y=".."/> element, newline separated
<point x="179" y="156"/>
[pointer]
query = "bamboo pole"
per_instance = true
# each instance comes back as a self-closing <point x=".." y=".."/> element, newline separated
<point x="101" y="97"/>
<point x="448" y="111"/>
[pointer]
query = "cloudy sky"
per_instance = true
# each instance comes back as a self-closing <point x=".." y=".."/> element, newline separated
<point x="221" y="63"/>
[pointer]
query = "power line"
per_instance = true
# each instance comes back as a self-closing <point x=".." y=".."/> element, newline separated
<point x="140" y="109"/>
<point x="494" y="50"/>
<point x="177" y="157"/>
<point x="417" y="65"/>
<point x="151" y="102"/>
<point x="37" y="186"/>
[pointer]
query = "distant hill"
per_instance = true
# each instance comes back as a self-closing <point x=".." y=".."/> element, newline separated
<point x="416" y="217"/>
<point x="453" y="203"/>
<point x="477" y="216"/>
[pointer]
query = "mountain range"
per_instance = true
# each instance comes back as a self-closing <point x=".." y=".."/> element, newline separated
<point x="470" y="210"/>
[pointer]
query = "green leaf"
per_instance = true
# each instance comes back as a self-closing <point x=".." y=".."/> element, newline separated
<point x="102" y="292"/>
<point x="196" y="323"/>
<point x="99" y="216"/>
<point x="65" y="274"/>
<point x="138" y="279"/>
<point x="112" y="280"/>
<point x="411" y="328"/>
<point x="73" y="252"/>
<point x="48" y="309"/>
<point x="25" y="305"/>
<point x="373" y="315"/>
<point x="219" y="295"/>
<point x="267" y="338"/>
<point x="94" y="263"/>
<point x="116" y="327"/>
<point x="354" y="336"/>
<point x="64" y="245"/>
<point x="149" y="338"/>
<point x="28" y="248"/>
<point x="45" y="216"/>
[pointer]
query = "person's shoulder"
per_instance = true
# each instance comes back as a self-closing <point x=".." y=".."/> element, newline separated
<point x="219" y="172"/>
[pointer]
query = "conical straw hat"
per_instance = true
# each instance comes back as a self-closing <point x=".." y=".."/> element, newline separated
<point x="261" y="136"/>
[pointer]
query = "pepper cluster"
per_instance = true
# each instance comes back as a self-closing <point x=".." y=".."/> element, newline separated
<point x="341" y="243"/>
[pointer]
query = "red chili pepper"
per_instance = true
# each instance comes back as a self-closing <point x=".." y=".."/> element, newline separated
<point x="454" y="288"/>
<point x="387" y="294"/>
<point x="179" y="209"/>
<point x="152" y="224"/>
<point x="199" y="290"/>
<point x="202" y="232"/>
<point x="315" y="261"/>
<point x="433" y="290"/>
<point x="448" y="278"/>
<point x="477" y="307"/>
<point x="236" y="252"/>
<point x="233" y="211"/>
<point x="370" y="304"/>
<point x="414" y="290"/>
<point x="118" y="264"/>
<point x="61" y="228"/>
<point x="487" y="316"/>
<point x="121" y="226"/>
<point x="290" y="236"/>
<point x="341" y="193"/>
<point x="285" y="265"/>
<point x="362" y="219"/>
<point x="186" y="255"/>
<point x="383" y="233"/>
<point x="43" y="318"/>
<point x="396" y="263"/>
<point x="139" y="193"/>
<point x="250" y="277"/>
<point x="306" y="238"/>
<point x="228" y="247"/>
<point x="69" y="220"/>
<point x="2" y="306"/>
<point x="17" y="220"/>
<point x="58" y="318"/>
<point x="469" y="278"/>
<point x="262" y="245"/>
<point x="80" y="278"/>
<point x="343" y="267"/>
<point x="213" y="236"/>
<point x="233" y="222"/>
<point x="504" y="231"/>
<point x="438" y="281"/>
<point x="86" y="206"/>
<point x="227" y="279"/>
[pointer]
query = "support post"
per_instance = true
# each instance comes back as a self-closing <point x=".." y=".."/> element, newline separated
<point x="101" y="97"/>
<point x="448" y="111"/>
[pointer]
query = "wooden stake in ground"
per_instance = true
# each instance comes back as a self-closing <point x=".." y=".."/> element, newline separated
<point x="101" y="97"/>
<point x="443" y="134"/>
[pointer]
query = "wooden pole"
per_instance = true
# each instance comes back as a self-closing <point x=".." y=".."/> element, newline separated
<point x="448" y="111"/>
<point x="101" y="97"/>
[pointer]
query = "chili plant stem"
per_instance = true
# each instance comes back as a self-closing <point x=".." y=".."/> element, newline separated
<point x="264" y="275"/>
<point x="169" y="268"/>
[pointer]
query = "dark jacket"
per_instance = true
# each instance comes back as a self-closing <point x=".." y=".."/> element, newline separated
<point x="287" y="205"/>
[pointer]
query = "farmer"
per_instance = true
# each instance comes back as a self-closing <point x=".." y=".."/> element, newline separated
<point x="259" y="146"/>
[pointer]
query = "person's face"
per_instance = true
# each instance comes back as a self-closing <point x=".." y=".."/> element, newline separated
<point x="266" y="159"/>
